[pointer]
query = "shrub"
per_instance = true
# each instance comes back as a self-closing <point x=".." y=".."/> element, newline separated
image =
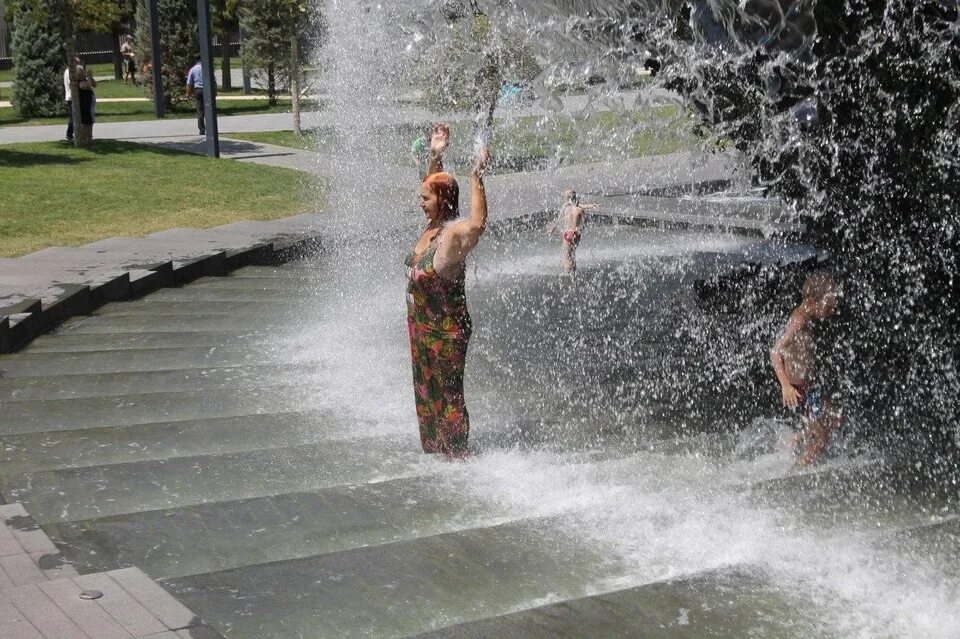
<point x="38" y="62"/>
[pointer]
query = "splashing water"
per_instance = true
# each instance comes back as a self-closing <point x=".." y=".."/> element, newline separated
<point x="608" y="454"/>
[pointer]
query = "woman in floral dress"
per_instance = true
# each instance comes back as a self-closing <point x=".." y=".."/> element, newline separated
<point x="437" y="318"/>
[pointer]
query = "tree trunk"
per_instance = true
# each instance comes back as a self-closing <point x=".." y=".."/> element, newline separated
<point x="295" y="83"/>
<point x="271" y="86"/>
<point x="118" y="61"/>
<point x="82" y="133"/>
<point x="225" y="82"/>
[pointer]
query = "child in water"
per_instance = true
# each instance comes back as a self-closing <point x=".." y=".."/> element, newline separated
<point x="570" y="221"/>
<point x="794" y="363"/>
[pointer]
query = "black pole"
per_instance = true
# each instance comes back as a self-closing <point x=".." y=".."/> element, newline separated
<point x="209" y="80"/>
<point x="155" y="62"/>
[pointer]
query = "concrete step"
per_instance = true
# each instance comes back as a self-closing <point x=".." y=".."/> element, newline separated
<point x="39" y="416"/>
<point x="263" y="294"/>
<point x="143" y="382"/>
<point x="295" y="271"/>
<point x="155" y="307"/>
<point x="165" y="440"/>
<point x="75" y="343"/>
<point x="185" y="324"/>
<point x="75" y="494"/>
<point x="36" y="364"/>
<point x="858" y="494"/>
<point x="400" y="588"/>
<point x="212" y="537"/>
<point x="730" y="602"/>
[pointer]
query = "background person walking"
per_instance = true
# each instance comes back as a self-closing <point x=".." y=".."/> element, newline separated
<point x="129" y="64"/>
<point x="195" y="85"/>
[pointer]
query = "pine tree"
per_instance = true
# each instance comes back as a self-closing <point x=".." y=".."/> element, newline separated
<point x="178" y="43"/>
<point x="38" y="62"/>
<point x="270" y="27"/>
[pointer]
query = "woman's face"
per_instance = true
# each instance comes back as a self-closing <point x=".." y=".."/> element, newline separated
<point x="430" y="203"/>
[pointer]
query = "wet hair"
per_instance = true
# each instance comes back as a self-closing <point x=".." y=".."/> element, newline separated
<point x="445" y="187"/>
<point x="817" y="286"/>
<point x="570" y="196"/>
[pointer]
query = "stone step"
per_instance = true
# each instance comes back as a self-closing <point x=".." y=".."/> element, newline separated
<point x="155" y="307"/>
<point x="142" y="382"/>
<point x="165" y="440"/>
<point x="129" y="605"/>
<point x="400" y="588"/>
<point x="729" y="602"/>
<point x="262" y="294"/>
<point x="75" y="494"/>
<point x="932" y="545"/>
<point x="213" y="537"/>
<point x="39" y="416"/>
<point x="844" y="494"/>
<point x="36" y="364"/>
<point x="290" y="271"/>
<point x="185" y="324"/>
<point x="76" y="343"/>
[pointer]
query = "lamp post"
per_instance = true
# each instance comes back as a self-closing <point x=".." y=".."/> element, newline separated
<point x="209" y="80"/>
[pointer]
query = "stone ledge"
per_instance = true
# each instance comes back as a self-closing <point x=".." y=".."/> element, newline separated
<point x="41" y="290"/>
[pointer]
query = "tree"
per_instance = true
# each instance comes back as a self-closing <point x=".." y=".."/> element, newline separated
<point x="226" y="22"/>
<point x="69" y="17"/>
<point x="478" y="53"/>
<point x="177" y="22"/>
<point x="38" y="63"/>
<point x="280" y="36"/>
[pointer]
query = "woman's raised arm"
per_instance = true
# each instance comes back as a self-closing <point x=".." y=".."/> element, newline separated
<point x="461" y="237"/>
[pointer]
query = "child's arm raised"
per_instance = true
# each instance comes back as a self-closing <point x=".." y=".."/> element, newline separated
<point x="439" y="141"/>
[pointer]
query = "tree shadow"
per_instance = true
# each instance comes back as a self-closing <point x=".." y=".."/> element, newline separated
<point x="13" y="159"/>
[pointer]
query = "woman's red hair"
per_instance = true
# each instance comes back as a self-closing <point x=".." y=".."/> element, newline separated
<point x="445" y="187"/>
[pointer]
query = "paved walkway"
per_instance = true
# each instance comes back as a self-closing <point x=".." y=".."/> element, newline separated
<point x="220" y="98"/>
<point x="386" y="115"/>
<point x="41" y="597"/>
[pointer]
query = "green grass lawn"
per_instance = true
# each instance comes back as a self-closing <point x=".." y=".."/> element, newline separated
<point x="52" y="194"/>
<point x="131" y="111"/>
<point x="311" y="140"/>
<point x="117" y="89"/>
<point x="530" y="142"/>
<point x="103" y="69"/>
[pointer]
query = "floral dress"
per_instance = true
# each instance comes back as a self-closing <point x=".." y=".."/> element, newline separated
<point x="439" y="327"/>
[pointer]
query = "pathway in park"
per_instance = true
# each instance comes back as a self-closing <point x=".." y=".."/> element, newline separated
<point x="387" y="115"/>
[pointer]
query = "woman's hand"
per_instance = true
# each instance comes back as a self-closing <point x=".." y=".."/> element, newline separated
<point x="791" y="397"/>
<point x="439" y="138"/>
<point x="483" y="159"/>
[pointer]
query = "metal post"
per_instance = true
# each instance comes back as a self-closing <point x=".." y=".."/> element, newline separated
<point x="155" y="62"/>
<point x="243" y="67"/>
<point x="209" y="80"/>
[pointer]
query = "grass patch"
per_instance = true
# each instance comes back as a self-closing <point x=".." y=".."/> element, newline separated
<point x="134" y="111"/>
<point x="103" y="69"/>
<point x="536" y="142"/>
<point x="312" y="140"/>
<point x="56" y="195"/>
<point x="117" y="89"/>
